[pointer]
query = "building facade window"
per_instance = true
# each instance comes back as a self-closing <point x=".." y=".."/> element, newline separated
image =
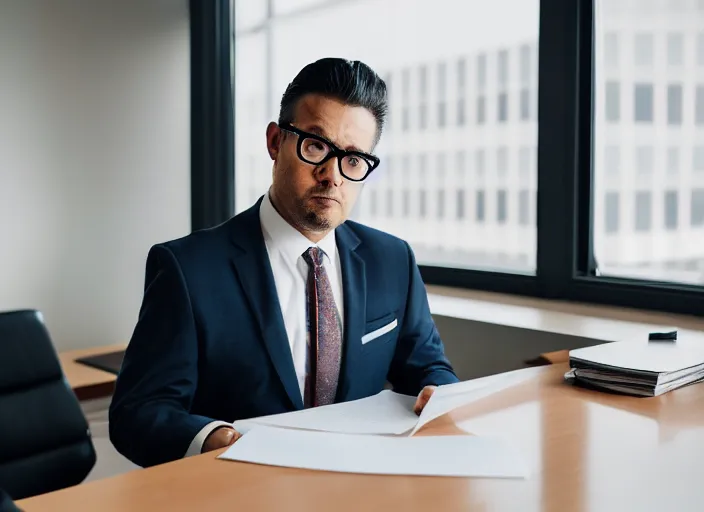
<point x="523" y="208"/>
<point x="643" y="103"/>
<point x="675" y="49"/>
<point x="671" y="208"/>
<point x="697" y="207"/>
<point x="480" y="206"/>
<point x="674" y="104"/>
<point x="612" y="102"/>
<point x="611" y="212"/>
<point x="501" y="213"/>
<point x="643" y="45"/>
<point x="643" y="212"/>
<point x="699" y="105"/>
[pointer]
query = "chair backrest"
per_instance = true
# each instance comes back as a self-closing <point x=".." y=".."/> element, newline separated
<point x="45" y="443"/>
<point x="6" y="503"/>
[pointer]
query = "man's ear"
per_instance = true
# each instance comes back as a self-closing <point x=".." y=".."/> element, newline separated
<point x="274" y="137"/>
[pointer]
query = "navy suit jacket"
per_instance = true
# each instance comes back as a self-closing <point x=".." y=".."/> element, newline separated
<point x="210" y="342"/>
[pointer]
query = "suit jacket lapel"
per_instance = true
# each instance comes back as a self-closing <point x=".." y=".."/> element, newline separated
<point x="253" y="268"/>
<point x="354" y="285"/>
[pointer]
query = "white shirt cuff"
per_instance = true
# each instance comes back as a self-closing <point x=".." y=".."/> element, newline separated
<point x="196" y="445"/>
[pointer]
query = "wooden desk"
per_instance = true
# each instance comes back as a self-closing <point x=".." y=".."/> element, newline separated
<point x="589" y="452"/>
<point x="87" y="382"/>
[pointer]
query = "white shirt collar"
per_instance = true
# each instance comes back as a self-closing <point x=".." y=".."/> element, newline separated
<point x="281" y="236"/>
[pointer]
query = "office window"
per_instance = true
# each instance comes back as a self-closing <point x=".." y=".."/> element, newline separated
<point x="697" y="207"/>
<point x="502" y="161"/>
<point x="670" y="209"/>
<point x="673" y="160"/>
<point x="611" y="50"/>
<point x="698" y="159"/>
<point x="481" y="110"/>
<point x="612" y="160"/>
<point x="613" y="102"/>
<point x="525" y="64"/>
<point x="480" y="213"/>
<point x="503" y="107"/>
<point x="481" y="71"/>
<point x="660" y="66"/>
<point x="442" y="79"/>
<point x="611" y="212"/>
<point x="644" y="160"/>
<point x="674" y="104"/>
<point x="501" y="213"/>
<point x="643" y="211"/>
<point x="460" y="203"/>
<point x="444" y="99"/>
<point x="643" y="46"/>
<point x="523" y="208"/>
<point x="502" y="68"/>
<point x="525" y="105"/>
<point x="643" y="103"/>
<point x="699" y="105"/>
<point x="675" y="49"/>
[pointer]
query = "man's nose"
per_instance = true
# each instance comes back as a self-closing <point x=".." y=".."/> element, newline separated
<point x="328" y="174"/>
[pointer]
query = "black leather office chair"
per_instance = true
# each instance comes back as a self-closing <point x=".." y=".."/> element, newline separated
<point x="45" y="443"/>
<point x="6" y="503"/>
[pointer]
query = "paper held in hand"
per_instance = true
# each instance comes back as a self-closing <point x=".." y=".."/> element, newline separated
<point x="388" y="413"/>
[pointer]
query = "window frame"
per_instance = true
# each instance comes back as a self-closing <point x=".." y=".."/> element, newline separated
<point x="566" y="268"/>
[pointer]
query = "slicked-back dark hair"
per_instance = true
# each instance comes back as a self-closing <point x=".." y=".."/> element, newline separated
<point x="351" y="82"/>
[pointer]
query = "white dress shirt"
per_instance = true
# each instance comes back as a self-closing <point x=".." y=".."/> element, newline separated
<point x="285" y="247"/>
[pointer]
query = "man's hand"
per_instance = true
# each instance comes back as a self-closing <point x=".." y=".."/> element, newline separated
<point x="423" y="398"/>
<point x="220" y="438"/>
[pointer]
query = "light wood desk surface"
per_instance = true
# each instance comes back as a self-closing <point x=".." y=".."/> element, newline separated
<point x="588" y="451"/>
<point x="88" y="382"/>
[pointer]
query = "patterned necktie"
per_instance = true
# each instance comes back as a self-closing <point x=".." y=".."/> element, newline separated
<point x="324" y="334"/>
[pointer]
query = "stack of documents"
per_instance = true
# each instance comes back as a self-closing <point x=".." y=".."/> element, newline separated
<point x="647" y="368"/>
<point x="375" y="435"/>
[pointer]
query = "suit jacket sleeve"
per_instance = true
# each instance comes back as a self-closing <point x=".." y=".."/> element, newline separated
<point x="150" y="421"/>
<point x="420" y="359"/>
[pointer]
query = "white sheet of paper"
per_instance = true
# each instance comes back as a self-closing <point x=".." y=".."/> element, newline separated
<point x="449" y="397"/>
<point x="384" y="413"/>
<point x="466" y="456"/>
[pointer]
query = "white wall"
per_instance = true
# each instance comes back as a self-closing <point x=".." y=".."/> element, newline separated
<point x="94" y="157"/>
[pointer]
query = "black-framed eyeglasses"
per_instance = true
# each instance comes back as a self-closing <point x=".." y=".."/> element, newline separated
<point x="314" y="149"/>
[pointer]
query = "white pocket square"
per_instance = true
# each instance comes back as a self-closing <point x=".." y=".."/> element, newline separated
<point x="379" y="332"/>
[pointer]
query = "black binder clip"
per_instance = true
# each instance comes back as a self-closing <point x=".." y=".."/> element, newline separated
<point x="663" y="336"/>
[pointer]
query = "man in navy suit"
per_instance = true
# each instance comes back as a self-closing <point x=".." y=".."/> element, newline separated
<point x="288" y="304"/>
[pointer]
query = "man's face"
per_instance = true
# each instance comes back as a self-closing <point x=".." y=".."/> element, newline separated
<point x="317" y="198"/>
